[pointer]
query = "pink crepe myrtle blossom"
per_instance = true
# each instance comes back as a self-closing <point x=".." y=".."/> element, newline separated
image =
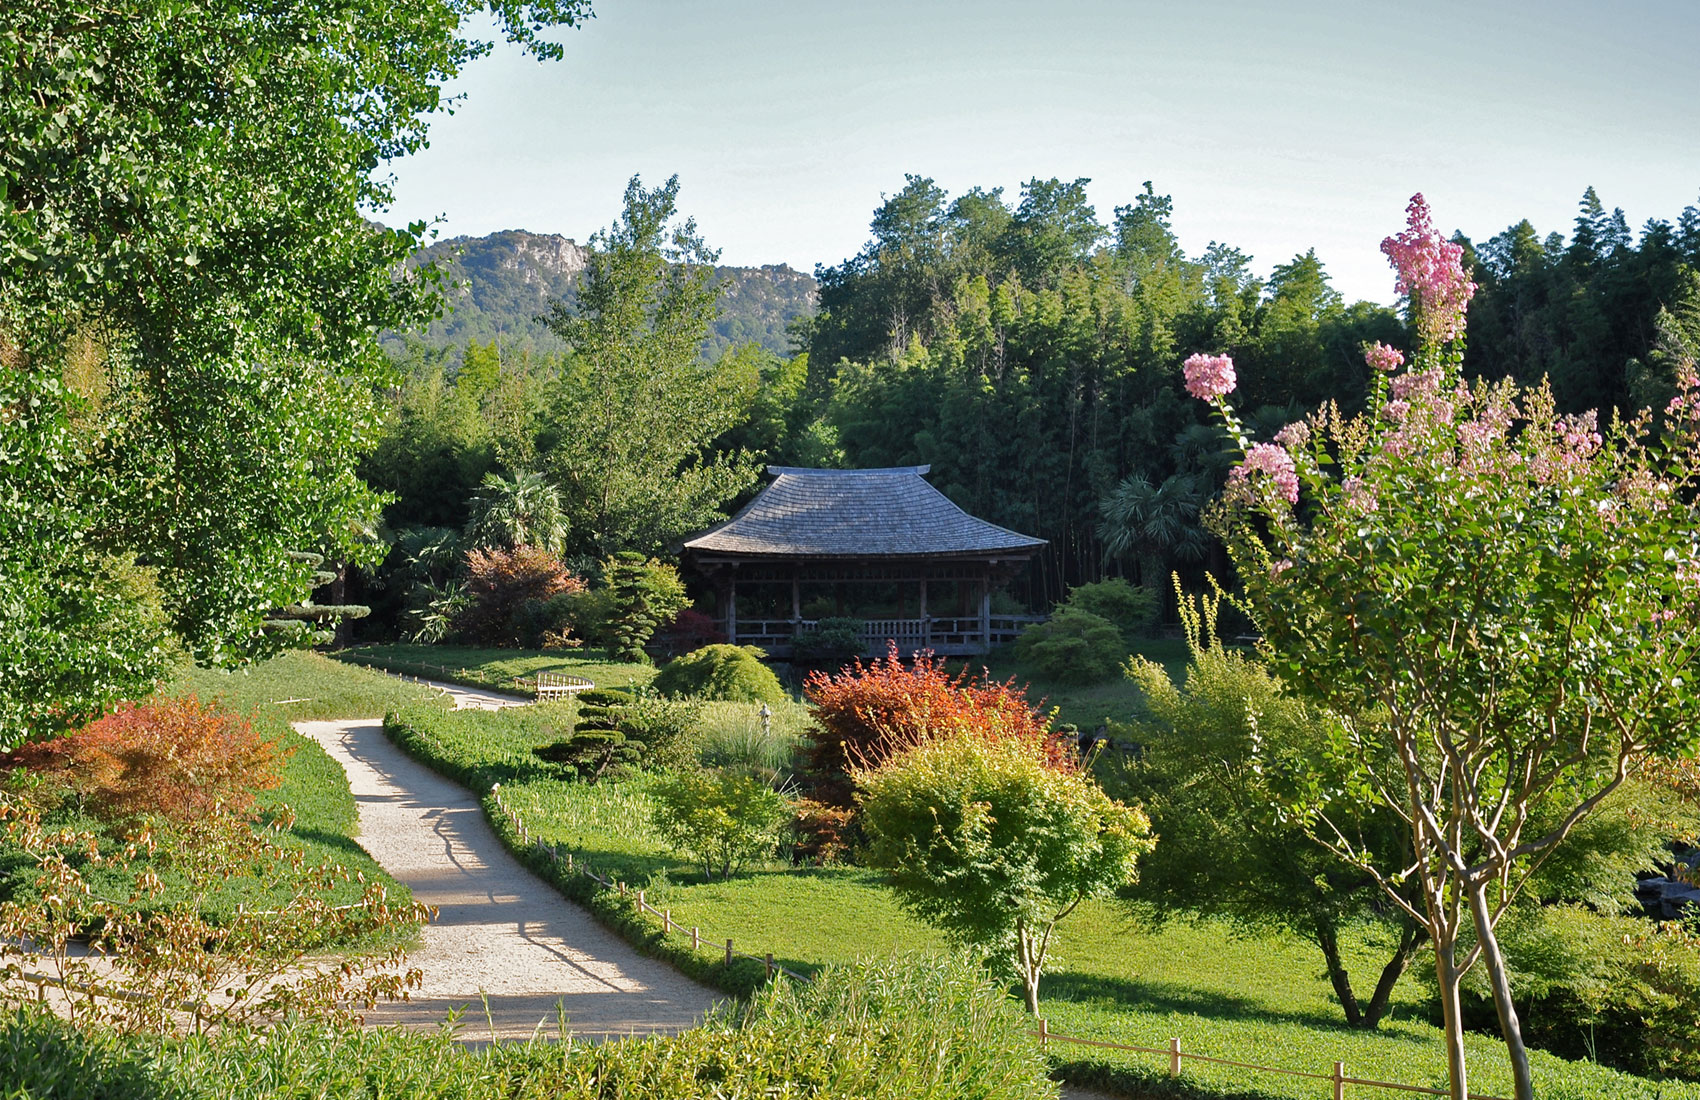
<point x="1273" y="461"/>
<point x="1383" y="358"/>
<point x="1209" y="376"/>
<point x="1294" y="435"/>
<point x="1431" y="274"/>
<point x="1416" y="383"/>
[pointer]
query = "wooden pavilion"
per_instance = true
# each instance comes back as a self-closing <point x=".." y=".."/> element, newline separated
<point x="882" y="546"/>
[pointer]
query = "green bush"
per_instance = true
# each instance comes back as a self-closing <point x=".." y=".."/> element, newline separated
<point x="722" y="673"/>
<point x="1073" y="647"/>
<point x="720" y="819"/>
<point x="1129" y="609"/>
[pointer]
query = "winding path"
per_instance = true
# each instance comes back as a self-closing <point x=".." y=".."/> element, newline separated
<point x="506" y="951"/>
<point x="502" y="936"/>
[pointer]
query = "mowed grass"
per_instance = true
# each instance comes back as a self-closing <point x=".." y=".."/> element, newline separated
<point x="500" y="668"/>
<point x="300" y="686"/>
<point x="1086" y="706"/>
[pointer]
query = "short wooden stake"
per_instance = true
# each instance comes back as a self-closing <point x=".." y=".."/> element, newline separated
<point x="1339" y="1081"/>
<point x="641" y="905"/>
<point x="622" y="888"/>
<point x="569" y="861"/>
<point x="728" y="952"/>
<point x="769" y="961"/>
<point x="696" y="939"/>
<point x="667" y="920"/>
<point x="1044" y="1033"/>
<point x="1174" y="1057"/>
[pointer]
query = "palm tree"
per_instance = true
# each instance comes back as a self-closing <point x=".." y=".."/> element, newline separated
<point x="524" y="510"/>
<point x="1154" y="524"/>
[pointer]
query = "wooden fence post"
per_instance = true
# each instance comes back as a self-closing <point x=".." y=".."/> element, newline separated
<point x="696" y="939"/>
<point x="769" y="961"/>
<point x="728" y="952"/>
<point x="1044" y="1033"/>
<point x="667" y="920"/>
<point x="1339" y="1081"/>
<point x="622" y="888"/>
<point x="1174" y="1057"/>
<point x="641" y="906"/>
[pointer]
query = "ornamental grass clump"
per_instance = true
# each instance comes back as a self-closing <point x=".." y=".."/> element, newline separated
<point x="1501" y="601"/>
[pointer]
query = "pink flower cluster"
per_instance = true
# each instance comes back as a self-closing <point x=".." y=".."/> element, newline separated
<point x="1294" y="435"/>
<point x="1431" y="272"/>
<point x="1209" y="376"/>
<point x="1417" y="383"/>
<point x="1383" y="358"/>
<point x="1273" y="461"/>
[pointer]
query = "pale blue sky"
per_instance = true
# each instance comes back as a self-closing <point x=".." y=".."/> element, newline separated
<point x="1276" y="126"/>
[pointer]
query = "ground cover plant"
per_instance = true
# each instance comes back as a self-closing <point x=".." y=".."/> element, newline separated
<point x="924" y="1028"/>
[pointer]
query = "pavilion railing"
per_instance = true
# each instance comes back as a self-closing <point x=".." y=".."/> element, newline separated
<point x="956" y="634"/>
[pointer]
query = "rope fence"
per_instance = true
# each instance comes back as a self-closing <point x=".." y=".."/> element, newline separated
<point x="1175" y="1054"/>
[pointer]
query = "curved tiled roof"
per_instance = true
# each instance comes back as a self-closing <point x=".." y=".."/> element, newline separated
<point x="856" y="513"/>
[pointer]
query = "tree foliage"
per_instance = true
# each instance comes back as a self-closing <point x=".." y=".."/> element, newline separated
<point x="1498" y="598"/>
<point x="189" y="286"/>
<point x="637" y="410"/>
<point x="992" y="843"/>
<point x="869" y="711"/>
<point x="720" y="818"/>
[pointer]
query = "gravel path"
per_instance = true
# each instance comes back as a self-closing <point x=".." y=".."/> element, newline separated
<point x="500" y="933"/>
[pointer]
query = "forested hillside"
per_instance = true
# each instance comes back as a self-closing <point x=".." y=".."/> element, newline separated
<point x="496" y="288"/>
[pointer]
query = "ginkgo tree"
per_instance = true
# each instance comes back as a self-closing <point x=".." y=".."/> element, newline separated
<point x="1501" y="602"/>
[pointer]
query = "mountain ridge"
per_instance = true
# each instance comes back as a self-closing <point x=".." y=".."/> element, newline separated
<point x="496" y="286"/>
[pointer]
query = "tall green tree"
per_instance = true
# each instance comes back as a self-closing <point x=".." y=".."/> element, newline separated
<point x="636" y="408"/>
<point x="189" y="287"/>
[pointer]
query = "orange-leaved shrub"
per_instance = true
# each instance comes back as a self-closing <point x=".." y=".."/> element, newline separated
<point x="511" y="597"/>
<point x="180" y="758"/>
<point x="870" y="711"/>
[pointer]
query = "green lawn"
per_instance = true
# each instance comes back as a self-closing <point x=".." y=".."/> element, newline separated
<point x="1086" y="706"/>
<point x="499" y="668"/>
<point x="1260" y="999"/>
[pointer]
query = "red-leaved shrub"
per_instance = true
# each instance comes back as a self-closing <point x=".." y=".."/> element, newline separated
<point x="509" y="594"/>
<point x="180" y="758"/>
<point x="869" y="711"/>
<point x="689" y="631"/>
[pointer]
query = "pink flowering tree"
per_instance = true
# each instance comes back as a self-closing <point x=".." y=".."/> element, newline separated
<point x="1503" y="602"/>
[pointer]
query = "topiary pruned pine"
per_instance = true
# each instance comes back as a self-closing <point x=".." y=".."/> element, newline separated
<point x="615" y="733"/>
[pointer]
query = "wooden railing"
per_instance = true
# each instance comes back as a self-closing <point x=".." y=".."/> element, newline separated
<point x="556" y="685"/>
<point x="953" y="634"/>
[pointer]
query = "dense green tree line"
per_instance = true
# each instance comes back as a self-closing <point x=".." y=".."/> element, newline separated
<point x="1026" y="348"/>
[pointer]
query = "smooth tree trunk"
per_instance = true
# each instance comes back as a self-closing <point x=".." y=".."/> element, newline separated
<point x="1510" y="1027"/>
<point x="1409" y="940"/>
<point x="1450" y="981"/>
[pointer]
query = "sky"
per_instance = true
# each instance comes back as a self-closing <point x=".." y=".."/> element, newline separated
<point x="1276" y="126"/>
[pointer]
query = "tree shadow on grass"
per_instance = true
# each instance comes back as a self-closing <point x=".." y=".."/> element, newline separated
<point x="1156" y="996"/>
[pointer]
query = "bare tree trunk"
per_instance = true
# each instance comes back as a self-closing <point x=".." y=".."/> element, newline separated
<point x="1409" y="939"/>
<point x="1449" y="978"/>
<point x="1327" y="938"/>
<point x="1029" y="964"/>
<point x="1510" y="1027"/>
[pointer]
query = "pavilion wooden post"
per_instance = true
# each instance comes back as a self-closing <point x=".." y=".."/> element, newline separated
<point x="926" y="622"/>
<point x="796" y="600"/>
<point x="986" y="614"/>
<point x="732" y="610"/>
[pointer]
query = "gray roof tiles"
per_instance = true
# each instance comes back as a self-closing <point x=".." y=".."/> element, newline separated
<point x="856" y="513"/>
